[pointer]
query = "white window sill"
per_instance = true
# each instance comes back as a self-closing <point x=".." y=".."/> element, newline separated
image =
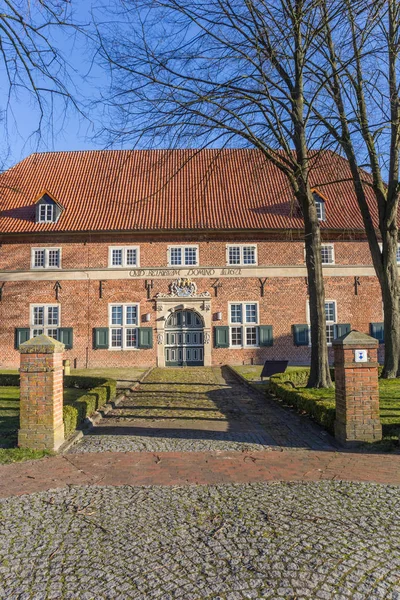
<point x="183" y="266"/>
<point x="243" y="347"/>
<point x="243" y="265"/>
<point x="123" y="267"/>
<point x="46" y="268"/>
<point x="122" y="349"/>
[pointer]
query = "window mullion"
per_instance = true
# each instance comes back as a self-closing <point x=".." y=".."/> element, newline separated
<point x="123" y="324"/>
<point x="243" y="308"/>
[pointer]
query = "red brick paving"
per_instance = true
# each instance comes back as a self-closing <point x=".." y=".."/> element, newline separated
<point x="185" y="468"/>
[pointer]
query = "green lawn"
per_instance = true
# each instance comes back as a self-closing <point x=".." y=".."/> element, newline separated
<point x="9" y="423"/>
<point x="389" y="391"/>
<point x="119" y="374"/>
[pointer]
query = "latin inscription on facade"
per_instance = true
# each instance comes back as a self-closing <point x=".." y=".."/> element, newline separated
<point x="184" y="273"/>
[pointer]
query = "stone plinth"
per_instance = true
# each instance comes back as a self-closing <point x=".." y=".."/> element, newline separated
<point x="357" y="389"/>
<point x="41" y="394"/>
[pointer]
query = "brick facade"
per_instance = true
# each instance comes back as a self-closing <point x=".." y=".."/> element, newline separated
<point x="85" y="263"/>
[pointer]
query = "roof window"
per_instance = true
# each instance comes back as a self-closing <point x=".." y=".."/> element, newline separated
<point x="47" y="209"/>
<point x="320" y="206"/>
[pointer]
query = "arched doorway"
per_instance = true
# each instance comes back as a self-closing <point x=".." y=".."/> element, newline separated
<point x="184" y="339"/>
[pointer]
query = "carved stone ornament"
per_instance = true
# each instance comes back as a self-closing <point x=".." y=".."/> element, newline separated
<point x="206" y="306"/>
<point x="160" y="338"/>
<point x="184" y="288"/>
<point x="207" y="338"/>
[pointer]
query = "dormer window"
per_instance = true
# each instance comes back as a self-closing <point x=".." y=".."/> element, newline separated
<point x="47" y="209"/>
<point x="320" y="206"/>
<point x="46" y="213"/>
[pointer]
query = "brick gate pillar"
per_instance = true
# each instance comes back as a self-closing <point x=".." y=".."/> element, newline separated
<point x="41" y="394"/>
<point x="357" y="389"/>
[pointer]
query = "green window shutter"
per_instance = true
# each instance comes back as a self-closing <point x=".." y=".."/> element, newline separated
<point x="265" y="335"/>
<point x="22" y="335"/>
<point x="377" y="331"/>
<point x="301" y="335"/>
<point x="221" y="336"/>
<point x="342" y="329"/>
<point x="100" y="338"/>
<point x="145" y="337"/>
<point x="65" y="335"/>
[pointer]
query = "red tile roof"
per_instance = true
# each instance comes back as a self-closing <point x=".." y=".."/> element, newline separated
<point x="113" y="190"/>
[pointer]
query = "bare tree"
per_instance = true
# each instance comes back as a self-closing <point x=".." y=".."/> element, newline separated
<point x="33" y="64"/>
<point x="226" y="72"/>
<point x="360" y="73"/>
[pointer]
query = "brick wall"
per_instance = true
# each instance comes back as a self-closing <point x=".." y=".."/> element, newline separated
<point x="87" y="253"/>
<point x="284" y="304"/>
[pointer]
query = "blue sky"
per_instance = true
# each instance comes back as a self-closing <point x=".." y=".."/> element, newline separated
<point x="66" y="131"/>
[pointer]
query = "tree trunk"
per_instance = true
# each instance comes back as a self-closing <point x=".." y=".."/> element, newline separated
<point x="319" y="372"/>
<point x="390" y="296"/>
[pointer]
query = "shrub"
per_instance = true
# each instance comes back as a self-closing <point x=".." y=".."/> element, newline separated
<point x="9" y="379"/>
<point x="70" y="418"/>
<point x="86" y="405"/>
<point x="290" y="388"/>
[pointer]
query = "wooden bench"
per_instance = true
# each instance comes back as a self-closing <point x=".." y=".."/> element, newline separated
<point x="271" y="367"/>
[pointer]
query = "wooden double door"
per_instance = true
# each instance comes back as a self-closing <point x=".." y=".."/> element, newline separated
<point x="184" y="339"/>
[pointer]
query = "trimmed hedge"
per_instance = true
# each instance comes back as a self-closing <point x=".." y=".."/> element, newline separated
<point x="77" y="411"/>
<point x="9" y="380"/>
<point x="290" y="388"/>
<point x="100" y="391"/>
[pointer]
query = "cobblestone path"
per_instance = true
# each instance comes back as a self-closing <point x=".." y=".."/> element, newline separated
<point x="327" y="540"/>
<point x="199" y="409"/>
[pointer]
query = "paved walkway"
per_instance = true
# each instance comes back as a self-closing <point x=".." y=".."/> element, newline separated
<point x="326" y="540"/>
<point x="189" y="468"/>
<point x="197" y="410"/>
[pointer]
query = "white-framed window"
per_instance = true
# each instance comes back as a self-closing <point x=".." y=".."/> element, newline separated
<point x="183" y="256"/>
<point x="123" y="321"/>
<point x="46" y="213"/>
<point x="241" y="254"/>
<point x="243" y="324"/>
<point x="331" y="320"/>
<point x="45" y="318"/>
<point x="46" y="258"/>
<point x="327" y="254"/>
<point x="320" y="206"/>
<point x="123" y="256"/>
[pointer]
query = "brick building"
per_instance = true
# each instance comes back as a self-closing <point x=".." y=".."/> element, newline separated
<point x="175" y="257"/>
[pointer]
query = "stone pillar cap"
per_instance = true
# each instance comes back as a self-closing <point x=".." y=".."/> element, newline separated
<point x="357" y="339"/>
<point x="41" y="344"/>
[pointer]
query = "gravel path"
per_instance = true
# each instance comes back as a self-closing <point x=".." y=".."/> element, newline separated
<point x="327" y="540"/>
<point x="160" y="440"/>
